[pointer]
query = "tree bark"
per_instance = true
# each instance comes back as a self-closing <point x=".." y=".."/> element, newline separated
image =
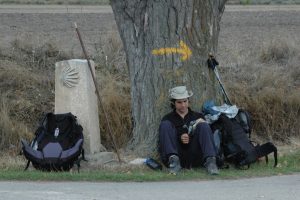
<point x="152" y="31"/>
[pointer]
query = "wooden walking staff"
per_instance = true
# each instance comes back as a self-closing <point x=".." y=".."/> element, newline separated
<point x="98" y="93"/>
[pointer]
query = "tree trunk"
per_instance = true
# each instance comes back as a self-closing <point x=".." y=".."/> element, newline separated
<point x="153" y="33"/>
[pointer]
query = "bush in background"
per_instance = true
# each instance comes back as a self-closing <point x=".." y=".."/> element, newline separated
<point x="267" y="83"/>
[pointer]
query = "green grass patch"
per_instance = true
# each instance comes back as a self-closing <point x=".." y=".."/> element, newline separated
<point x="288" y="164"/>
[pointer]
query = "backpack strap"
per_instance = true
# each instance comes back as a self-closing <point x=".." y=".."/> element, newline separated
<point x="77" y="162"/>
<point x="265" y="149"/>
<point x="39" y="134"/>
<point x="83" y="155"/>
<point x="235" y="132"/>
<point x="237" y="146"/>
<point x="244" y="119"/>
<point x="27" y="165"/>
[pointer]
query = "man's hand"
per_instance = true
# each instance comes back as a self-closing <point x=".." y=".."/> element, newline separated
<point x="200" y="120"/>
<point x="185" y="139"/>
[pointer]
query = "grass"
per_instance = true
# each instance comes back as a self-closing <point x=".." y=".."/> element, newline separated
<point x="266" y="83"/>
<point x="288" y="164"/>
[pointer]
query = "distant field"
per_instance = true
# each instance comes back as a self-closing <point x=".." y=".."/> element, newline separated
<point x="103" y="2"/>
<point x="61" y="2"/>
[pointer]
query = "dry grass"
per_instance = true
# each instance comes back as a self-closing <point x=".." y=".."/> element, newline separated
<point x="27" y="91"/>
<point x="278" y="50"/>
<point x="117" y="103"/>
<point x="10" y="130"/>
<point x="267" y="84"/>
<point x="36" y="56"/>
<point x="28" y="88"/>
<point x="115" y="90"/>
<point x="110" y="56"/>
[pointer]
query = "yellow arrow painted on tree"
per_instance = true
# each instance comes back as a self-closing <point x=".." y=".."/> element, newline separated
<point x="184" y="50"/>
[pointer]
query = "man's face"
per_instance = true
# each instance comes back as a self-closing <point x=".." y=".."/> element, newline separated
<point x="181" y="105"/>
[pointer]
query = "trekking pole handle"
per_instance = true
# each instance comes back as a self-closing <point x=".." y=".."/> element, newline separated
<point x="212" y="63"/>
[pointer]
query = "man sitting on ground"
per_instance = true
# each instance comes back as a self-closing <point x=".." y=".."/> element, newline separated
<point x="185" y="139"/>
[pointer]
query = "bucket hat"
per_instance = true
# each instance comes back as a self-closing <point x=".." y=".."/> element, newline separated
<point x="180" y="92"/>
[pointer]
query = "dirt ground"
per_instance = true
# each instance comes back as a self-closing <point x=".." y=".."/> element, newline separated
<point x="241" y="26"/>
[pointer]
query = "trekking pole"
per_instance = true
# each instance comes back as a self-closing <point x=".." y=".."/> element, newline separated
<point x="222" y="87"/>
<point x="212" y="64"/>
<point x="98" y="93"/>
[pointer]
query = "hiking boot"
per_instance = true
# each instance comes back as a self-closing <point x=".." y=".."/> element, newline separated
<point x="174" y="164"/>
<point x="211" y="166"/>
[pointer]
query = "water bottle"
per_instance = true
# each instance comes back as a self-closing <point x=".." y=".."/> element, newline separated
<point x="56" y="132"/>
<point x="153" y="164"/>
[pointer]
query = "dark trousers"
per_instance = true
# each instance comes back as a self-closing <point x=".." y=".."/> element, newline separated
<point x="201" y="145"/>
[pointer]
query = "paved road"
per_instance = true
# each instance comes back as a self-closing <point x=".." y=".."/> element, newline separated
<point x="268" y="188"/>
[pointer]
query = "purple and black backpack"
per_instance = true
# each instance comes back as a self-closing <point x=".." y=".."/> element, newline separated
<point x="57" y="145"/>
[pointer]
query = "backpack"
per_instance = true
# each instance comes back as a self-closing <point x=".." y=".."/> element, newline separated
<point x="57" y="144"/>
<point x="233" y="141"/>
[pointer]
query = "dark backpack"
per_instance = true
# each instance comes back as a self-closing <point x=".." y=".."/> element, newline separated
<point x="57" y="144"/>
<point x="235" y="145"/>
